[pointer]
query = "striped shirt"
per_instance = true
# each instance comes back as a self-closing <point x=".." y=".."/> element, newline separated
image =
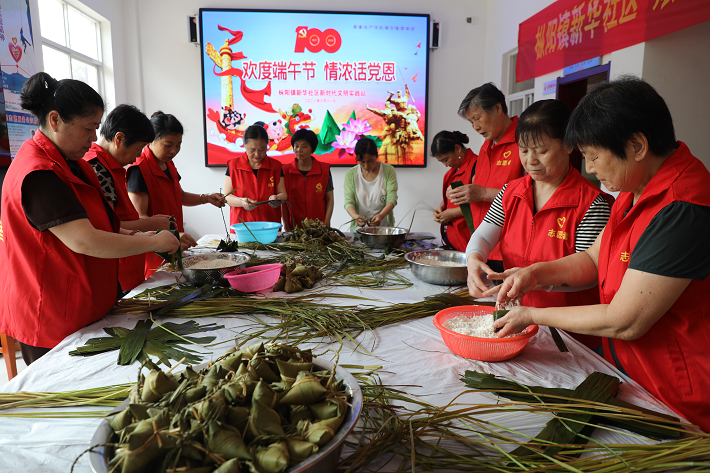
<point x="588" y="229"/>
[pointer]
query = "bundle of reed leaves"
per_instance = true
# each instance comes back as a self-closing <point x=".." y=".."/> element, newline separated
<point x="301" y="319"/>
<point x="108" y="396"/>
<point x="399" y="432"/>
<point x="664" y="426"/>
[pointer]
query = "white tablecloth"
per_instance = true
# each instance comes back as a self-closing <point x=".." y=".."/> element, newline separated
<point x="411" y="353"/>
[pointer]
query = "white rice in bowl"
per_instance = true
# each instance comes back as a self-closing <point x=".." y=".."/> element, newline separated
<point x="480" y="326"/>
<point x="436" y="262"/>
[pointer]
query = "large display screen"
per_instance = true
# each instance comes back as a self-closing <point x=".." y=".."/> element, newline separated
<point x="343" y="75"/>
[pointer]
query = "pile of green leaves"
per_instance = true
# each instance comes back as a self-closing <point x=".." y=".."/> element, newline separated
<point x="571" y="427"/>
<point x="404" y="433"/>
<point x="161" y="341"/>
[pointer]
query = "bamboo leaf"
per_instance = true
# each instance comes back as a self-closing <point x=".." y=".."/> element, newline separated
<point x="133" y="343"/>
<point x="466" y="209"/>
<point x="558" y="340"/>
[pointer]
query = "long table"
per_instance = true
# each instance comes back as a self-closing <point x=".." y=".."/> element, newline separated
<point x="411" y="353"/>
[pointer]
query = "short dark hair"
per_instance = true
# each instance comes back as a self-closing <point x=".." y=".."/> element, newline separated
<point x="445" y="142"/>
<point x="165" y="124"/>
<point x="70" y="98"/>
<point x="255" y="132"/>
<point x="609" y="115"/>
<point x="485" y="97"/>
<point x="130" y="121"/>
<point x="307" y="135"/>
<point x="365" y="146"/>
<point x="542" y="118"/>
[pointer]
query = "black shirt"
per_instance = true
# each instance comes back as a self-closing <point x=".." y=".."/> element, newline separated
<point x="675" y="243"/>
<point x="48" y="201"/>
<point x="135" y="181"/>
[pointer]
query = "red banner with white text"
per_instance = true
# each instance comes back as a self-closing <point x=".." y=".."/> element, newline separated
<point x="571" y="31"/>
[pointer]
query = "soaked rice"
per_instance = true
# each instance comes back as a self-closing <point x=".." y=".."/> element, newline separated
<point x="436" y="262"/>
<point x="213" y="264"/>
<point x="480" y="326"/>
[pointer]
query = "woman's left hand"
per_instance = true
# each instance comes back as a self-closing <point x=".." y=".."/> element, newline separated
<point x="445" y="216"/>
<point x="186" y="241"/>
<point x="515" y="321"/>
<point x="215" y="199"/>
<point x="374" y="221"/>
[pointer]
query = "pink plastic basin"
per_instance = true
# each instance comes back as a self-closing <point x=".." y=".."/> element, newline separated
<point x="256" y="278"/>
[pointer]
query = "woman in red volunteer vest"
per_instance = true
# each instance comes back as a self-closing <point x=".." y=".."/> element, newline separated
<point x="59" y="238"/>
<point x="498" y="161"/>
<point x="255" y="177"/>
<point x="124" y="133"/>
<point x="308" y="183"/>
<point x="552" y="212"/>
<point x="449" y="148"/>
<point x="652" y="260"/>
<point x="154" y="184"/>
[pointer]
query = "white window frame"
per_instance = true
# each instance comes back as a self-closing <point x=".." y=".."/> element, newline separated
<point x="99" y="64"/>
<point x="527" y="95"/>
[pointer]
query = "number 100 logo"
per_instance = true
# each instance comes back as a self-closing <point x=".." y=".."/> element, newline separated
<point x="316" y="40"/>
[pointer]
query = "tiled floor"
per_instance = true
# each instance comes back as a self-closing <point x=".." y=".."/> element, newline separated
<point x="3" y="372"/>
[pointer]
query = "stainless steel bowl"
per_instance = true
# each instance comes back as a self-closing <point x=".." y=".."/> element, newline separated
<point x="325" y="461"/>
<point x="213" y="276"/>
<point x="441" y="275"/>
<point x="381" y="237"/>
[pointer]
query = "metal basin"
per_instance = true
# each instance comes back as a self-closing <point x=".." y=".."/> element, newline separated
<point x="214" y="276"/>
<point x="381" y="237"/>
<point x="324" y="461"/>
<point x="440" y="275"/>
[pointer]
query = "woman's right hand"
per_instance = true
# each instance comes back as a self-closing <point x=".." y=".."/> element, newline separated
<point x="476" y="285"/>
<point x="361" y="221"/>
<point x="515" y="286"/>
<point x="165" y="242"/>
<point x="186" y="241"/>
<point x="159" y="222"/>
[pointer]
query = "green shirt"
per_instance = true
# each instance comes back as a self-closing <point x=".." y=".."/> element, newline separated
<point x="390" y="178"/>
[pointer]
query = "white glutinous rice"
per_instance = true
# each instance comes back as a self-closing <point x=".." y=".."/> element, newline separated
<point x="213" y="264"/>
<point x="480" y="326"/>
<point x="436" y="262"/>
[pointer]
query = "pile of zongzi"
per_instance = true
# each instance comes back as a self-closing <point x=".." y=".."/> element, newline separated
<point x="315" y="231"/>
<point x="260" y="409"/>
<point x="296" y="275"/>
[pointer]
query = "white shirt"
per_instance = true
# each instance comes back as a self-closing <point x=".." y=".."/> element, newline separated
<point x="371" y="196"/>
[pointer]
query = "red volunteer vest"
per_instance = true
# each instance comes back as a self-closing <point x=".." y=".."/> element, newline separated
<point x="456" y="230"/>
<point x="547" y="235"/>
<point x="165" y="198"/>
<point x="130" y="269"/>
<point x="49" y="291"/>
<point x="497" y="165"/>
<point x="306" y="194"/>
<point x="257" y="189"/>
<point x="671" y="360"/>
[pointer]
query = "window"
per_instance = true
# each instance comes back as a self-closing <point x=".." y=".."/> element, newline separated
<point x="520" y="95"/>
<point x="71" y="44"/>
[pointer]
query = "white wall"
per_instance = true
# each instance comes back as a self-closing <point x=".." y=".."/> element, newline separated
<point x="677" y="66"/>
<point x="163" y="72"/>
